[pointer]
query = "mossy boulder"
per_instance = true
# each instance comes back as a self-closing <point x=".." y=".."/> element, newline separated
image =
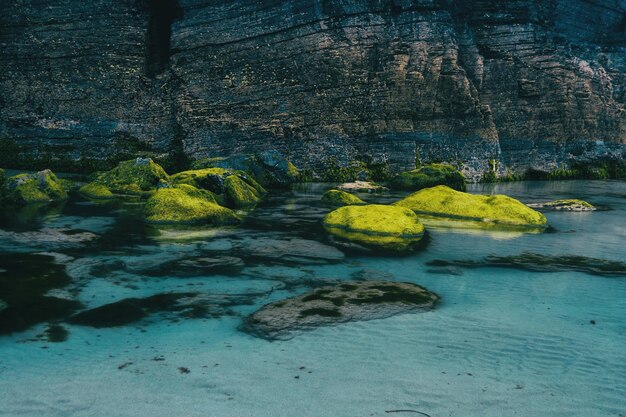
<point x="140" y="176"/>
<point x="338" y="198"/>
<point x="343" y="302"/>
<point x="40" y="187"/>
<point x="428" y="176"/>
<point x="376" y="226"/>
<point x="270" y="168"/>
<point x="235" y="189"/>
<point x="443" y="201"/>
<point x="565" y="205"/>
<point x="187" y="204"/>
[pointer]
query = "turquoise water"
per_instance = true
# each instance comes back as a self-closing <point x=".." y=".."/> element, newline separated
<point x="503" y="341"/>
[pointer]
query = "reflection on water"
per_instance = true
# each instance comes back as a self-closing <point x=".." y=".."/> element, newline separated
<point x="129" y="305"/>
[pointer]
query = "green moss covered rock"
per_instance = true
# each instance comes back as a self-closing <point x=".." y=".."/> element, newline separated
<point x="429" y="176"/>
<point x="187" y="204"/>
<point x="446" y="202"/>
<point x="565" y="205"/>
<point x="379" y="226"/>
<point x="135" y="177"/>
<point x="235" y="189"/>
<point x="40" y="187"/>
<point x="338" y="198"/>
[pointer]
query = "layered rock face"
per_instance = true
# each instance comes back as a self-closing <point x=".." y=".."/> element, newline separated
<point x="528" y="83"/>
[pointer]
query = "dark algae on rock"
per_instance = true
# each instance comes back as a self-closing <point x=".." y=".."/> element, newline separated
<point x="25" y="279"/>
<point x="339" y="303"/>
<point x="544" y="263"/>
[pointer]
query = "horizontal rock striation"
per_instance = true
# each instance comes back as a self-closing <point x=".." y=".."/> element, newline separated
<point x="526" y="83"/>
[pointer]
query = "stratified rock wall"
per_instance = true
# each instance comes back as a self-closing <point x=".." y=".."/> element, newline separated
<point x="531" y="83"/>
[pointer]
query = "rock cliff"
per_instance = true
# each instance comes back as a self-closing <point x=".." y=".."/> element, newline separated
<point x="510" y="85"/>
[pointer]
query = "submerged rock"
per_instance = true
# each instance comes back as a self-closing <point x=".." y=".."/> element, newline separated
<point x="340" y="303"/>
<point x="339" y="198"/>
<point x="187" y="204"/>
<point x="361" y="186"/>
<point x="291" y="250"/>
<point x="543" y="263"/>
<point x="235" y="189"/>
<point x="26" y="282"/>
<point x="428" y="176"/>
<point x="374" y="225"/>
<point x="46" y="238"/>
<point x="496" y="209"/>
<point x="134" y="177"/>
<point x="199" y="266"/>
<point x="565" y="205"/>
<point x="40" y="187"/>
<point x="270" y="168"/>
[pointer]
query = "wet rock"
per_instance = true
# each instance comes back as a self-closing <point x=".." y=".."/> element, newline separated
<point x="543" y="263"/>
<point x="343" y="302"/>
<point x="40" y="187"/>
<point x="428" y="176"/>
<point x="378" y="226"/>
<point x="291" y="250"/>
<point x="270" y="168"/>
<point x="361" y="186"/>
<point x="564" y="205"/>
<point x="443" y="201"/>
<point x="338" y="198"/>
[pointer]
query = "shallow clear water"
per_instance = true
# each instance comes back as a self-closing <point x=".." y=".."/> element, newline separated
<point x="503" y="342"/>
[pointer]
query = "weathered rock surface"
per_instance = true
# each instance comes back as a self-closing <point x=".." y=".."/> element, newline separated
<point x="564" y="205"/>
<point x="344" y="302"/>
<point x="527" y="83"/>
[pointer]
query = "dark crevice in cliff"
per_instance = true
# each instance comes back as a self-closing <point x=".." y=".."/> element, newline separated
<point x="161" y="15"/>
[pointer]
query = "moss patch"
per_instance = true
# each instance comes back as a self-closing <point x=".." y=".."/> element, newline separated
<point x="387" y="227"/>
<point x="324" y="312"/>
<point x="240" y="194"/>
<point x="96" y="191"/>
<point x="429" y="176"/>
<point x="40" y="187"/>
<point x="338" y="198"/>
<point x="565" y="205"/>
<point x="135" y="177"/>
<point x="446" y="202"/>
<point x="187" y="204"/>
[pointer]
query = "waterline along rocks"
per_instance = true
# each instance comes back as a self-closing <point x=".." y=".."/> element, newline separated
<point x="443" y="201"/>
<point x="489" y="86"/>
<point x="375" y="226"/>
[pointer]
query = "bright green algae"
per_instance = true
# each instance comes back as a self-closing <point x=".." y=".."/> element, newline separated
<point x="429" y="176"/>
<point x="235" y="189"/>
<point x="498" y="209"/>
<point x="386" y="227"/>
<point x="187" y="204"/>
<point x="340" y="198"/>
<point x="40" y="187"/>
<point x="135" y="177"/>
